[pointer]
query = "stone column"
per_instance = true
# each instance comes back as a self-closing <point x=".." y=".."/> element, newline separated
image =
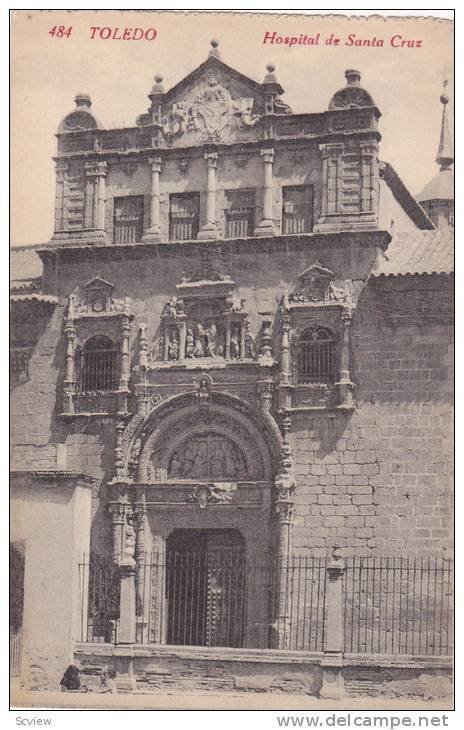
<point x="284" y="508"/>
<point x="266" y="227"/>
<point x="209" y="229"/>
<point x="266" y="337"/>
<point x="69" y="383"/>
<point x="285" y="368"/>
<point x="182" y="330"/>
<point x="332" y="191"/>
<point x="142" y="594"/>
<point x="118" y="515"/>
<point x="125" y="352"/>
<point x="143" y="347"/>
<point x="369" y="177"/>
<point x="344" y="384"/>
<point x="126" y="629"/>
<point x="101" y="196"/>
<point x="127" y="571"/>
<point x="153" y="232"/>
<point x="95" y="202"/>
<point x="60" y="172"/>
<point x="228" y="332"/>
<point x="158" y="612"/>
<point x="332" y="678"/>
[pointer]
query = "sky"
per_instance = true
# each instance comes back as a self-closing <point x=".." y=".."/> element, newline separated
<point x="48" y="71"/>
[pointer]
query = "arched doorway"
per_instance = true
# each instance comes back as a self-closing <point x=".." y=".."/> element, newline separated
<point x="205" y="587"/>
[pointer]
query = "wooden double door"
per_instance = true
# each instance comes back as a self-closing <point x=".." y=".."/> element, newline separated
<point x="205" y="587"/>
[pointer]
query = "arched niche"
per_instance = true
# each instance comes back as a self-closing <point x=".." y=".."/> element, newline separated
<point x="252" y="445"/>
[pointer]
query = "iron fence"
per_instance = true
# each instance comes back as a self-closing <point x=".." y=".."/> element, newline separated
<point x="399" y="605"/>
<point x="100" y="594"/>
<point x="390" y="605"/>
<point x="15" y="653"/>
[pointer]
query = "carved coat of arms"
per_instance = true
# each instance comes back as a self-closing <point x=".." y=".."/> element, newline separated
<point x="210" y="112"/>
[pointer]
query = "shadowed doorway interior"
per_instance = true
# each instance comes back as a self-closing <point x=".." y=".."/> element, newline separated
<point x="205" y="587"/>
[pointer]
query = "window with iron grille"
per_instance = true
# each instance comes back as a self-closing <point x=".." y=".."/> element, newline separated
<point x="184" y="215"/>
<point x="240" y="213"/>
<point x="19" y="363"/>
<point x="97" y="365"/>
<point x="317" y="356"/>
<point x="297" y="209"/>
<point x="128" y="219"/>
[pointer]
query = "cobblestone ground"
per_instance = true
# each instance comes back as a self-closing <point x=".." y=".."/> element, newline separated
<point x="232" y="701"/>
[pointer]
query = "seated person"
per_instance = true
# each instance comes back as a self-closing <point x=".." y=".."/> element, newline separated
<point x="71" y="682"/>
<point x="107" y="683"/>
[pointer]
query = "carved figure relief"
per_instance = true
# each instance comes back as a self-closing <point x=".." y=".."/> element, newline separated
<point x="206" y="320"/>
<point x="128" y="551"/>
<point x="208" y="456"/>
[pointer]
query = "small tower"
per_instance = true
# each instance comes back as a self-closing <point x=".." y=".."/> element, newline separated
<point x="437" y="198"/>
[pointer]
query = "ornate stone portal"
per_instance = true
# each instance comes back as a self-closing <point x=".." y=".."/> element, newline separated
<point x="203" y="453"/>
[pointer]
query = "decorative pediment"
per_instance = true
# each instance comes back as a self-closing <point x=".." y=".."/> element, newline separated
<point x="317" y="285"/>
<point x="95" y="299"/>
<point x="212" y="104"/>
<point x="205" y="281"/>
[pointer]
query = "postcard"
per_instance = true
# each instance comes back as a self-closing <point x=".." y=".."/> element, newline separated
<point x="231" y="361"/>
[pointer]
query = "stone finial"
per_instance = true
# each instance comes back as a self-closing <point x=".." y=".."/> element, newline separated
<point x="353" y="77"/>
<point x="83" y="100"/>
<point x="214" y="53"/>
<point x="158" y="87"/>
<point x="270" y="77"/>
<point x="445" y="156"/>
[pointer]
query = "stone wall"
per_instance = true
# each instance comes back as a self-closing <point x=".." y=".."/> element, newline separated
<point x="51" y="517"/>
<point x="199" y="671"/>
<point x="376" y="480"/>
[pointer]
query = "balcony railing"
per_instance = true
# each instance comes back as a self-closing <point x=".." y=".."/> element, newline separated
<point x="239" y="223"/>
<point x="128" y="230"/>
<point x="296" y="223"/>
<point x="183" y="228"/>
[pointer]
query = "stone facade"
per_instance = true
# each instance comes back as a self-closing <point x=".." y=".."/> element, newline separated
<point x="216" y="308"/>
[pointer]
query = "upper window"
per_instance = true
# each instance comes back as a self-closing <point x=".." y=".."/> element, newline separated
<point x="184" y="215"/>
<point x="128" y="219"/>
<point x="240" y="213"/>
<point x="97" y="365"/>
<point x="316" y="356"/>
<point x="297" y="209"/>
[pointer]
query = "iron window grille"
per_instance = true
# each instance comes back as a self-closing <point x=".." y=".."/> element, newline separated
<point x="128" y="219"/>
<point x="97" y="365"/>
<point x="317" y="356"/>
<point x="184" y="215"/>
<point x="19" y="363"/>
<point x="297" y="209"/>
<point x="240" y="213"/>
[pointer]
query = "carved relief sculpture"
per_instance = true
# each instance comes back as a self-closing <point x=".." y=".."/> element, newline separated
<point x="206" y="321"/>
<point x="208" y="113"/>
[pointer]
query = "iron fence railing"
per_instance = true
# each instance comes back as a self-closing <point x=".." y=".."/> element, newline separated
<point x="15" y="653"/>
<point x="390" y="605"/>
<point x="100" y="595"/>
<point x="399" y="605"/>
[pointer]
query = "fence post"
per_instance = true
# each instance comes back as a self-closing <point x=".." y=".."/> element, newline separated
<point x="332" y="661"/>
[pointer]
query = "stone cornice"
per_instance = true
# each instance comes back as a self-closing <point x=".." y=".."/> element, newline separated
<point x="250" y="245"/>
<point x="53" y="475"/>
